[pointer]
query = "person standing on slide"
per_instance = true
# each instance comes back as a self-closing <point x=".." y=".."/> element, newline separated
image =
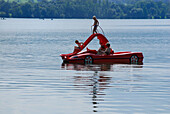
<point x="96" y="24"/>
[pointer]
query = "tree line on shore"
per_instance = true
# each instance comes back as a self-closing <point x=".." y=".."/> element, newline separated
<point x="142" y="9"/>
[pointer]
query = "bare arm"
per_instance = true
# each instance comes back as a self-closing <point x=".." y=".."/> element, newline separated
<point x="82" y="43"/>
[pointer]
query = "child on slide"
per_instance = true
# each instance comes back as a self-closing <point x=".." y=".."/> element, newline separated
<point x="76" y="48"/>
<point x="96" y="24"/>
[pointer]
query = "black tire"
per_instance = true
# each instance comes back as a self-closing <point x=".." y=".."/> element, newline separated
<point x="88" y="60"/>
<point x="134" y="59"/>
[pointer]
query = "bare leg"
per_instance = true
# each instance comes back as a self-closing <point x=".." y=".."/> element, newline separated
<point x="94" y="29"/>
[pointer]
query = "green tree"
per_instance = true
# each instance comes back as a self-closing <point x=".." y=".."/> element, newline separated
<point x="26" y="10"/>
<point x="137" y="13"/>
<point x="4" y="8"/>
<point x="86" y="9"/>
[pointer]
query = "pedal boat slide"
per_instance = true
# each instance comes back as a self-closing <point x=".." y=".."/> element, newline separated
<point x="91" y="57"/>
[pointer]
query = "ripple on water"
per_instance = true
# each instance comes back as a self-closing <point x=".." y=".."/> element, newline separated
<point x="34" y="80"/>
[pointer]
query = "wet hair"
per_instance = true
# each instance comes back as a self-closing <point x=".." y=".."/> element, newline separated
<point x="108" y="44"/>
<point x="94" y="17"/>
<point x="76" y="41"/>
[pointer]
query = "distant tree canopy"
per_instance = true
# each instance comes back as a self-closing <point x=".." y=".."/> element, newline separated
<point x="143" y="9"/>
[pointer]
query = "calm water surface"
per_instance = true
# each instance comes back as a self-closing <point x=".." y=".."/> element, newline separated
<point x="33" y="79"/>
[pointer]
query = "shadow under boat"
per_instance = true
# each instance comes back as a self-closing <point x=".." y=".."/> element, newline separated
<point x="100" y="67"/>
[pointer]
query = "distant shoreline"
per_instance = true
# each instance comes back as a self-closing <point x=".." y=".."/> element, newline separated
<point x="4" y="18"/>
<point x="86" y="9"/>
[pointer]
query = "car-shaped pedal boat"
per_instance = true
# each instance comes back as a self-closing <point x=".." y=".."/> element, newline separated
<point x="91" y="57"/>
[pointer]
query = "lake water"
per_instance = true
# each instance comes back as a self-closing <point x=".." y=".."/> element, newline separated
<point x="33" y="79"/>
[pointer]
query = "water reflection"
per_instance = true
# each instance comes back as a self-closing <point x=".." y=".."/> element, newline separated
<point x="96" y="82"/>
<point x="94" y="85"/>
<point x="92" y="67"/>
<point x="99" y="83"/>
<point x="100" y="67"/>
<point x="94" y="98"/>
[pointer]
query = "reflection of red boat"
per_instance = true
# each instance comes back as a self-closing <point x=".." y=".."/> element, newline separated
<point x="90" y="56"/>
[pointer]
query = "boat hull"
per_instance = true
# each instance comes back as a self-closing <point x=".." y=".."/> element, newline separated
<point x="118" y="57"/>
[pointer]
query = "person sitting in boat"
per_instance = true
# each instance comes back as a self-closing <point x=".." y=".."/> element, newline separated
<point x="96" y="23"/>
<point x="76" y="48"/>
<point x="108" y="49"/>
<point x="101" y="50"/>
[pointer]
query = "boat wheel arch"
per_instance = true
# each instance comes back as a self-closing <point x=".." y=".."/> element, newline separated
<point x="88" y="60"/>
<point x="134" y="59"/>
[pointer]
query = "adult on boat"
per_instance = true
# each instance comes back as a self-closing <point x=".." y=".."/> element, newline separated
<point x="108" y="49"/>
<point x="101" y="50"/>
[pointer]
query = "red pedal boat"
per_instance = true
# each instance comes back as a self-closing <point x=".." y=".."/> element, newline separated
<point x="91" y="57"/>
